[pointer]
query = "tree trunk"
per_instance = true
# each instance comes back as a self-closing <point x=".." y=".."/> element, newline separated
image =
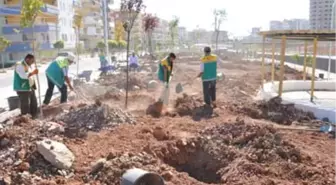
<point x="217" y="36"/>
<point x="127" y="67"/>
<point x="150" y="43"/>
<point x="3" y="63"/>
<point x="37" y="76"/>
<point x="77" y="41"/>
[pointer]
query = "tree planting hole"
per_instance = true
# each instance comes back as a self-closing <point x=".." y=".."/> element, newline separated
<point x="198" y="164"/>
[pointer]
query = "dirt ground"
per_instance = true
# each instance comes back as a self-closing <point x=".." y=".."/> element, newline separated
<point x="237" y="143"/>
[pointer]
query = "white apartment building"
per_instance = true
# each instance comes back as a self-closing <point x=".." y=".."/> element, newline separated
<point x="66" y="31"/>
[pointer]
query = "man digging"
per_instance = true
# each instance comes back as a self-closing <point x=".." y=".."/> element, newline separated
<point x="209" y="76"/>
<point x="25" y="87"/>
<point x="57" y="74"/>
<point x="164" y="75"/>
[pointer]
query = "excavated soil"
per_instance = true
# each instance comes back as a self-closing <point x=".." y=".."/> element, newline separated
<point x="180" y="146"/>
<point x="275" y="111"/>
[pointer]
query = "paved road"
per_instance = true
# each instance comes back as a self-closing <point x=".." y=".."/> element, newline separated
<point x="6" y="79"/>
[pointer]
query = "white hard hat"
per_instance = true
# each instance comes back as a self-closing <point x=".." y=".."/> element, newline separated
<point x="71" y="57"/>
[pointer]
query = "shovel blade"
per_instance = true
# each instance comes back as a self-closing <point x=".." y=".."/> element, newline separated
<point x="179" y="88"/>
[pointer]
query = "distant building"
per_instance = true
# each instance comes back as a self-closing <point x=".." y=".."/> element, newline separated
<point x="182" y="33"/>
<point x="290" y="24"/>
<point x="222" y="37"/>
<point x="255" y="31"/>
<point x="160" y="35"/>
<point x="320" y="14"/>
<point x="92" y="31"/>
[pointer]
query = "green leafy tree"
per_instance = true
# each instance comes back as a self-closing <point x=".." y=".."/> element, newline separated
<point x="29" y="11"/>
<point x="4" y="43"/>
<point x="122" y="44"/>
<point x="220" y="17"/>
<point x="130" y="8"/>
<point x="173" y="24"/>
<point x="113" y="44"/>
<point x="59" y="45"/>
<point x="101" y="45"/>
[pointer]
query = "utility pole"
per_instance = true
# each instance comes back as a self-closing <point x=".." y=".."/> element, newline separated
<point x="104" y="3"/>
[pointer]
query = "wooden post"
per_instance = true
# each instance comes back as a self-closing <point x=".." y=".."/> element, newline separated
<point x="273" y="62"/>
<point x="313" y="73"/>
<point x="305" y="60"/>
<point x="263" y="63"/>
<point x="282" y="67"/>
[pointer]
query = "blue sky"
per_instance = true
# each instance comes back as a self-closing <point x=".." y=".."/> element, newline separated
<point x="242" y="14"/>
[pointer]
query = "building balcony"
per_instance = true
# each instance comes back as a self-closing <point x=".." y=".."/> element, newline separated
<point x="13" y="29"/>
<point x="27" y="47"/>
<point x="88" y="7"/>
<point x="15" y="10"/>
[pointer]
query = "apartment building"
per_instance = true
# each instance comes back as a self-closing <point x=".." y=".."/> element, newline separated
<point x="65" y="30"/>
<point x="45" y="29"/>
<point x="93" y="27"/>
<point x="320" y="14"/>
<point x="289" y="24"/>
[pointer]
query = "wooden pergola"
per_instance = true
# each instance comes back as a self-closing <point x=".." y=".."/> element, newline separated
<point x="299" y="35"/>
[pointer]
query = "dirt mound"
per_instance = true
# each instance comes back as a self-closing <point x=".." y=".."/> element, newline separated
<point x="187" y="105"/>
<point x="241" y="153"/>
<point x="155" y="109"/>
<point x="275" y="111"/>
<point x="92" y="117"/>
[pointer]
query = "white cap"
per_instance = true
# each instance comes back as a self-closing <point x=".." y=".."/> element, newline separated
<point x="71" y="57"/>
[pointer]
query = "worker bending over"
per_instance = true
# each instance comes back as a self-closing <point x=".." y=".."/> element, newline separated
<point x="57" y="74"/>
<point x="25" y="87"/>
<point x="164" y="75"/>
<point x="209" y="76"/>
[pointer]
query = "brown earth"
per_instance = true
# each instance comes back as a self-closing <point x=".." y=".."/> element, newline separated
<point x="239" y="142"/>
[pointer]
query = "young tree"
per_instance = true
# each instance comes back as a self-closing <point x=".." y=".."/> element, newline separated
<point x="4" y="43"/>
<point x="220" y="16"/>
<point x="150" y="22"/>
<point x="59" y="45"/>
<point x="173" y="24"/>
<point x="29" y="11"/>
<point x="131" y="8"/>
<point x="77" y="25"/>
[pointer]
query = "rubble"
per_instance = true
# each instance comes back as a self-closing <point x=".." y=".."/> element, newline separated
<point x="92" y="117"/>
<point x="56" y="153"/>
<point x="152" y="85"/>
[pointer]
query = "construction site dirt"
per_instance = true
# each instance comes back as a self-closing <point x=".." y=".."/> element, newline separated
<point x="239" y="142"/>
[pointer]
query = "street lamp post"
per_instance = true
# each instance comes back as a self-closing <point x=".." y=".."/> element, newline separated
<point x="332" y="26"/>
<point x="104" y="2"/>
